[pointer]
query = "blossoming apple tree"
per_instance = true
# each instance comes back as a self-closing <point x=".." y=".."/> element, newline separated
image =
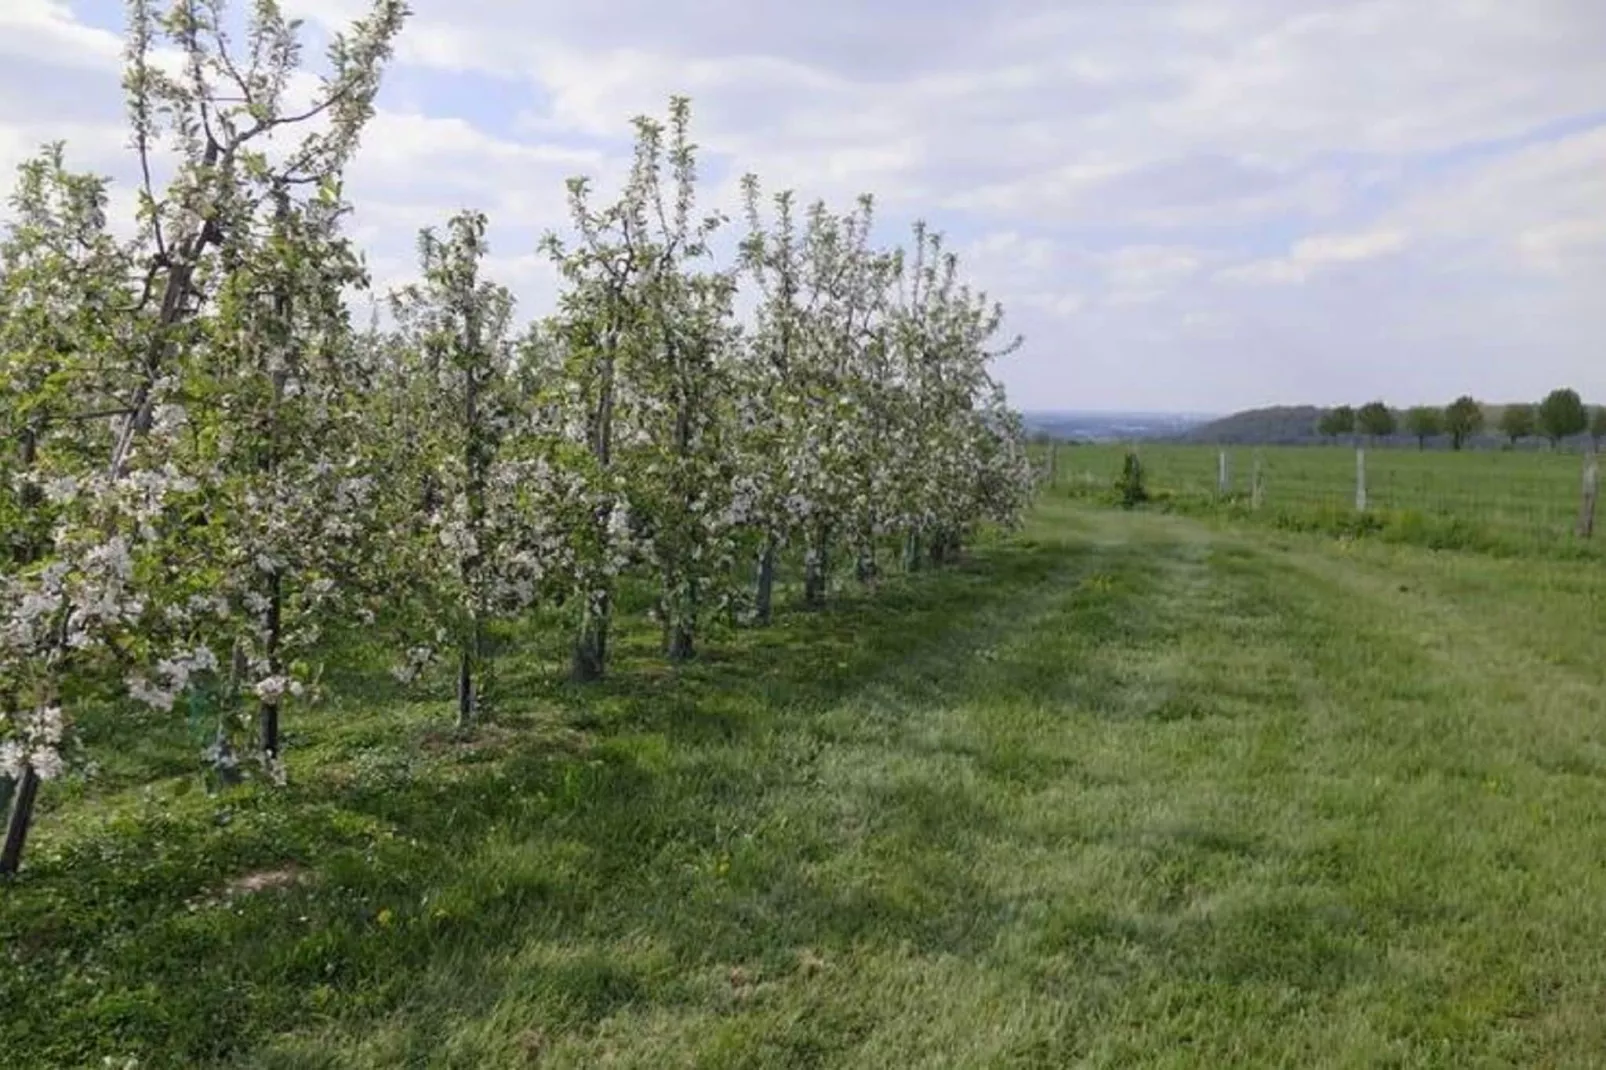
<point x="206" y="469"/>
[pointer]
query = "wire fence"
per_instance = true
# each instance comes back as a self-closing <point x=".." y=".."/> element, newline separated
<point x="1513" y="496"/>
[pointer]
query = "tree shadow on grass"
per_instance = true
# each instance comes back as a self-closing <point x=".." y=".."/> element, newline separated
<point x="669" y="807"/>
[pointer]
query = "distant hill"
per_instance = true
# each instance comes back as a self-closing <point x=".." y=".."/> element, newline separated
<point x="1075" y="426"/>
<point x="1281" y="425"/>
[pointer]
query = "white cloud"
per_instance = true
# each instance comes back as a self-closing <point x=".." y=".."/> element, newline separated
<point x="1147" y="267"/>
<point x="47" y="31"/>
<point x="1566" y="245"/>
<point x="1314" y="253"/>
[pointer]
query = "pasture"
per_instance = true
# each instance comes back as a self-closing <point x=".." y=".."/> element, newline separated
<point x="1517" y="501"/>
<point x="1121" y="789"/>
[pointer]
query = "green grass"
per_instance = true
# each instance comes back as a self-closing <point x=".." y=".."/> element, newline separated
<point x="1514" y="502"/>
<point x="1128" y="789"/>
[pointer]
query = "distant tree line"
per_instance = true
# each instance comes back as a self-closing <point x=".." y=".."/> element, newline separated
<point x="1561" y="415"/>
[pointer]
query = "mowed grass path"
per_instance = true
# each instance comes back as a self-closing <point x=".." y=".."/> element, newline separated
<point x="1124" y="791"/>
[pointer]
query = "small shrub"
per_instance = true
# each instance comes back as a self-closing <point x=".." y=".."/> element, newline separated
<point x="1130" y="486"/>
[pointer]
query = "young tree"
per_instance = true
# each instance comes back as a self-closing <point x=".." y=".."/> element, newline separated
<point x="828" y="393"/>
<point x="592" y="334"/>
<point x="943" y="330"/>
<point x="121" y="580"/>
<point x="1463" y="418"/>
<point x="251" y="366"/>
<point x="64" y="581"/>
<point x="274" y="450"/>
<point x="770" y="377"/>
<point x="649" y="335"/>
<point x="1424" y="422"/>
<point x="1562" y="415"/>
<point x="487" y="465"/>
<point x="1517" y="421"/>
<point x="1375" y="420"/>
<point x="863" y="399"/>
<point x="680" y="429"/>
<point x="1337" y="422"/>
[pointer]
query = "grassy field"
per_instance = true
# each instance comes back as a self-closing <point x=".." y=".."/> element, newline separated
<point x="1129" y="789"/>
<point x="1520" y="501"/>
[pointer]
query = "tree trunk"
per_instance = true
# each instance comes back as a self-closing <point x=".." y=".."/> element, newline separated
<point x="591" y="646"/>
<point x="24" y="791"/>
<point x="815" y="569"/>
<point x="268" y="726"/>
<point x="478" y="451"/>
<point x="467" y="701"/>
<point x="912" y="551"/>
<point x="268" y="712"/>
<point x="27" y="792"/>
<point x="864" y="568"/>
<point x="680" y="622"/>
<point x="681" y="644"/>
<point x="684" y="597"/>
<point x="764" y="596"/>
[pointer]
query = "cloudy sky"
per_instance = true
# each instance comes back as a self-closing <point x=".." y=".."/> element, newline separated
<point x="1193" y="205"/>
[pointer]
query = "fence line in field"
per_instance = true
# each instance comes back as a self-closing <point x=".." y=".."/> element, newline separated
<point x="1543" y="495"/>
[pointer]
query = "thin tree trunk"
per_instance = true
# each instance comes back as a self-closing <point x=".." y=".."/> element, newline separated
<point x="815" y="570"/>
<point x="268" y="712"/>
<point x="681" y="642"/>
<point x="912" y="551"/>
<point x="21" y="821"/>
<point x="864" y="568"/>
<point x="467" y="700"/>
<point x="590" y="656"/>
<point x="477" y="448"/>
<point x="591" y="645"/>
<point x="764" y="596"/>
<point x="683" y="604"/>
<point x="24" y="791"/>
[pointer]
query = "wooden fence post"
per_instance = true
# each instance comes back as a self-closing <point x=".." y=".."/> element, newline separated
<point x="1257" y="487"/>
<point x="1223" y="475"/>
<point x="1586" y="509"/>
<point x="1360" y="479"/>
<point x="1053" y="464"/>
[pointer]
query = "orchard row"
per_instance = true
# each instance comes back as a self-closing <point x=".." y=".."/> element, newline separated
<point x="206" y="465"/>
